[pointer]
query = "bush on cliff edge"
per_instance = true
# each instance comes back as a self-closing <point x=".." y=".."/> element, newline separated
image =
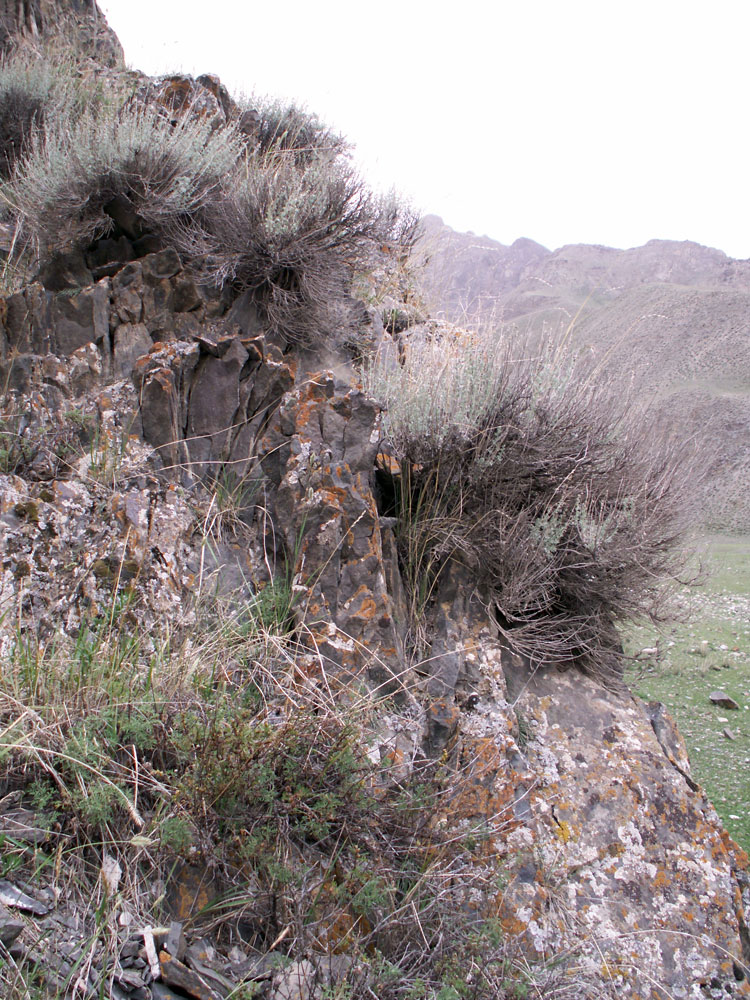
<point x="65" y="191"/>
<point x="281" y="212"/>
<point x="565" y="502"/>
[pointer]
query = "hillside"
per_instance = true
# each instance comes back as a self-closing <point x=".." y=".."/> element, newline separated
<point x="311" y="678"/>
<point x="671" y="319"/>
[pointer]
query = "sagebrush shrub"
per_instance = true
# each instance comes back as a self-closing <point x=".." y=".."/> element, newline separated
<point x="43" y="91"/>
<point x="164" y="171"/>
<point x="32" y="93"/>
<point x="292" y="232"/>
<point x="566" y="503"/>
<point x="284" y="216"/>
<point x="287" y="128"/>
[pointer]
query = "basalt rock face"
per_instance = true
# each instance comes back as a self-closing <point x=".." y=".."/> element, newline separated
<point x="199" y="395"/>
<point x="606" y="849"/>
<point x="79" y="22"/>
<point x="612" y="850"/>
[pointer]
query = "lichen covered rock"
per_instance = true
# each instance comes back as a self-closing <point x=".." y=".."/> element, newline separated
<point x="606" y="851"/>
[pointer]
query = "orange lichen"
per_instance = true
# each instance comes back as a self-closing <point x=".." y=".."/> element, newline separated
<point x="661" y="880"/>
<point x="562" y="831"/>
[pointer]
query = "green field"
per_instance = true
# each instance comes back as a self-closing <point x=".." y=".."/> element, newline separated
<point x="709" y="651"/>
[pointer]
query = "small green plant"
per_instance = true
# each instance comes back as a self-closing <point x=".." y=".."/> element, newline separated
<point x="232" y="504"/>
<point x="270" y="611"/>
<point x="12" y="855"/>
<point x="176" y="834"/>
<point x="303" y="771"/>
<point x="17" y="446"/>
<point x="155" y="763"/>
<point x="106" y="453"/>
<point x="342" y="991"/>
<point x="525" y="732"/>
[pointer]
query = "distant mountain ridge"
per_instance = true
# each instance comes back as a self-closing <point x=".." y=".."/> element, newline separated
<point x="476" y="275"/>
<point x="674" y="317"/>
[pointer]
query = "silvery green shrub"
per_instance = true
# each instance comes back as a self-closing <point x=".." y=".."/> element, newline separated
<point x="166" y="171"/>
<point x="565" y="500"/>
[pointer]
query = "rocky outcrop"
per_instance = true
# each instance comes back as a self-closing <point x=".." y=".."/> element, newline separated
<point x="608" y="850"/>
<point x="607" y="836"/>
<point x="79" y="23"/>
<point x="176" y="95"/>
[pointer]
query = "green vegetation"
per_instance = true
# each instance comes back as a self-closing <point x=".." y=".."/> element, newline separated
<point x="40" y="94"/>
<point x="709" y="652"/>
<point x="143" y="750"/>
<point x="283" y="127"/>
<point x="139" y="753"/>
<point x="31" y="93"/>
<point x="564" y="501"/>
<point x="293" y="221"/>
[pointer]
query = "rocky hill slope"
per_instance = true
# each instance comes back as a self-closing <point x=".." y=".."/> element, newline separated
<point x="671" y="319"/>
<point x="77" y="26"/>
<point x="252" y="743"/>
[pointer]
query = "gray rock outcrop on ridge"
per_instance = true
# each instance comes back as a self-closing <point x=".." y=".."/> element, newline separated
<point x="80" y="22"/>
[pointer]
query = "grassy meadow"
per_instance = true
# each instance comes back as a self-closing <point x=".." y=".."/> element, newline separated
<point x="709" y="651"/>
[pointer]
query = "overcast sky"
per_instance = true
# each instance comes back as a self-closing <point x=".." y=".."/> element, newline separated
<point x="567" y="121"/>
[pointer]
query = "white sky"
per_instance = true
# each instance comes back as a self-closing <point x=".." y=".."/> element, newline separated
<point x="567" y="121"/>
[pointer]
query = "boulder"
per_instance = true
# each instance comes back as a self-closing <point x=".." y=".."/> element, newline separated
<point x="214" y="401"/>
<point x="42" y="322"/>
<point x="322" y="446"/>
<point x="162" y="379"/>
<point x="180" y="94"/>
<point x="69" y="270"/>
<point x="131" y="342"/>
<point x="612" y="853"/>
